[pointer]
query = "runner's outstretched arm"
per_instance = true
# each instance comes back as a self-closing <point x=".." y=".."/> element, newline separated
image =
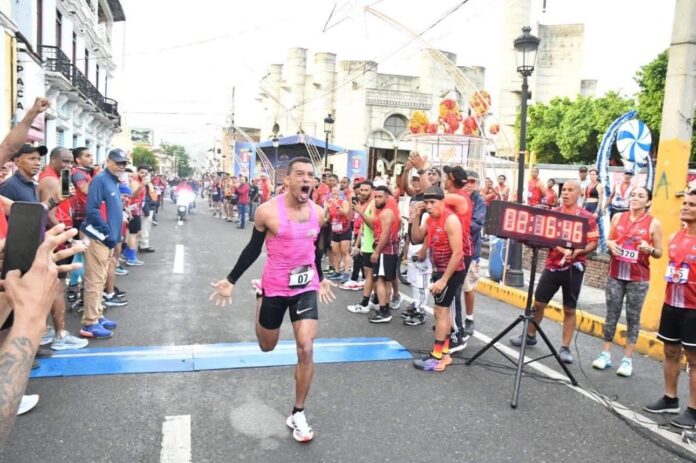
<point x="248" y="256"/>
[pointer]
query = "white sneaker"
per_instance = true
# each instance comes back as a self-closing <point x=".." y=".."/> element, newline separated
<point x="68" y="342"/>
<point x="48" y="336"/>
<point x="357" y="308"/>
<point x="602" y="361"/>
<point x="350" y="285"/>
<point x="625" y="368"/>
<point x="302" y="431"/>
<point x="27" y="403"/>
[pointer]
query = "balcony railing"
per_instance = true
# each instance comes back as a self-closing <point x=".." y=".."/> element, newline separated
<point x="57" y="61"/>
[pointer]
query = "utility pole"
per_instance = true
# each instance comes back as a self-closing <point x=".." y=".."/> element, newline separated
<point x="674" y="148"/>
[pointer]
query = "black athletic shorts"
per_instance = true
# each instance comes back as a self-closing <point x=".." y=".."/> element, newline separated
<point x="366" y="259"/>
<point x="66" y="261"/>
<point x="678" y="326"/>
<point x="135" y="224"/>
<point x="302" y="306"/>
<point x="569" y="280"/>
<point x="452" y="289"/>
<point x="345" y="236"/>
<point x="216" y="198"/>
<point x="386" y="267"/>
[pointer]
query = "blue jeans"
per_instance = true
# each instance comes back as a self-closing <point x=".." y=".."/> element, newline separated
<point x="242" y="215"/>
<point x="252" y="211"/>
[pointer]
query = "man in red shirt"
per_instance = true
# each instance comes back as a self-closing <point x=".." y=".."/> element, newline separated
<point x="50" y="192"/>
<point x="243" y="200"/>
<point x="535" y="188"/>
<point x="565" y="269"/>
<point x="81" y="177"/>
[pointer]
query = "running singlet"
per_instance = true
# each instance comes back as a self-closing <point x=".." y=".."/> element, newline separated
<point x="392" y="245"/>
<point x="465" y="220"/>
<point x="631" y="265"/>
<point x="78" y="202"/>
<point x="63" y="209"/>
<point x="289" y="269"/>
<point x="339" y="222"/>
<point x="621" y="196"/>
<point x="681" y="271"/>
<point x="533" y="192"/>
<point x="367" y="239"/>
<point x="136" y="203"/>
<point x="555" y="259"/>
<point x="438" y="243"/>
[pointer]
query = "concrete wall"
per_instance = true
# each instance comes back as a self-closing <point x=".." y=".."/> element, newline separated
<point x="559" y="59"/>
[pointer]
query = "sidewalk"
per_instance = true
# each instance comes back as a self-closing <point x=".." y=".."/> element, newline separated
<point x="591" y="310"/>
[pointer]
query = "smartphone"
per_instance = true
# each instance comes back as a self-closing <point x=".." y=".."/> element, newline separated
<point x="354" y="200"/>
<point x="25" y="232"/>
<point x="65" y="183"/>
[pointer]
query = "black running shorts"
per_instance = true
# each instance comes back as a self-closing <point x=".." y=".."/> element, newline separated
<point x="452" y="288"/>
<point x="386" y="267"/>
<point x="135" y="224"/>
<point x="345" y="236"/>
<point x="302" y="306"/>
<point x="678" y="326"/>
<point x="569" y="280"/>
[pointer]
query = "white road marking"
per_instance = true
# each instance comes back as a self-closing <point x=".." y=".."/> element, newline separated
<point x="631" y="415"/>
<point x="176" y="439"/>
<point x="179" y="259"/>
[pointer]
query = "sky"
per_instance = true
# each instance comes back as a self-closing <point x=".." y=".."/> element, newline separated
<point x="177" y="65"/>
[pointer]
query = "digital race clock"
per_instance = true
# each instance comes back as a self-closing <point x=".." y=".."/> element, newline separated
<point x="536" y="226"/>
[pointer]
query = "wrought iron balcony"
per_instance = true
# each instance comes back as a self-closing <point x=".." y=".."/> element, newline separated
<point x="57" y="61"/>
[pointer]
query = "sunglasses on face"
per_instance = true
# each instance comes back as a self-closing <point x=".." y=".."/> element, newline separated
<point x="122" y="164"/>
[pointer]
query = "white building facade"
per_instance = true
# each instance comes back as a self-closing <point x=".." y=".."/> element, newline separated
<point x="64" y="53"/>
<point x="371" y="110"/>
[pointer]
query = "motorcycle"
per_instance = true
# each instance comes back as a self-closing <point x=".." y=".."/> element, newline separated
<point x="184" y="203"/>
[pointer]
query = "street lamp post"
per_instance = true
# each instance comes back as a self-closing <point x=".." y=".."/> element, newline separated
<point x="276" y="144"/>
<point x="328" y="123"/>
<point x="526" y="47"/>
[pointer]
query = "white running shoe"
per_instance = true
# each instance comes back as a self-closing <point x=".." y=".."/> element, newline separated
<point x="68" y="342"/>
<point x="27" y="403"/>
<point x="602" y="361"/>
<point x="48" y="336"/>
<point x="302" y="431"/>
<point x="350" y="285"/>
<point x="358" y="308"/>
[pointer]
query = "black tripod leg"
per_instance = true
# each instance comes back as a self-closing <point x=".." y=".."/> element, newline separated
<point x="570" y="376"/>
<point x="494" y="340"/>
<point x="520" y="364"/>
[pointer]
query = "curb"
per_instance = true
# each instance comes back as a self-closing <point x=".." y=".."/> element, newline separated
<point x="647" y="343"/>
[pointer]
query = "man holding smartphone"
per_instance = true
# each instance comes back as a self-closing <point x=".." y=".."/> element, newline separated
<point x="102" y="235"/>
<point x="51" y="193"/>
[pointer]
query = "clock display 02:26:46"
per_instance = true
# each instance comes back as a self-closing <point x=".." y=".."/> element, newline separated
<point x="523" y="223"/>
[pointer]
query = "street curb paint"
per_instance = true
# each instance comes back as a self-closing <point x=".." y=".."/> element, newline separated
<point x="647" y="344"/>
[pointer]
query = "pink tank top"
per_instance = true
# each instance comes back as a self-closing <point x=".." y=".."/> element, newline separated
<point x="289" y="268"/>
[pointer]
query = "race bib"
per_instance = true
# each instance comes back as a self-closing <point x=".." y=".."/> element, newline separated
<point x="301" y="276"/>
<point x="677" y="276"/>
<point x="337" y="227"/>
<point x="628" y="254"/>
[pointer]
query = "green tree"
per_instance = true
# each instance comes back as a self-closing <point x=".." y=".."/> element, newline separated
<point x="181" y="159"/>
<point x="651" y="80"/>
<point x="570" y="131"/>
<point x="143" y="156"/>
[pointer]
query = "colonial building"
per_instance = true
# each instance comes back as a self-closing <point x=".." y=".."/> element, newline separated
<point x="64" y="53"/>
<point x="370" y="109"/>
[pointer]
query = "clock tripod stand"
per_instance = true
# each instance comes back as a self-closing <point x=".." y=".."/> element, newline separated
<point x="525" y="319"/>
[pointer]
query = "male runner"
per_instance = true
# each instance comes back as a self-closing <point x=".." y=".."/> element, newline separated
<point x="565" y="269"/>
<point x="365" y="244"/>
<point x="290" y="225"/>
<point x="442" y="233"/>
<point x="620" y="194"/>
<point x="678" y="321"/>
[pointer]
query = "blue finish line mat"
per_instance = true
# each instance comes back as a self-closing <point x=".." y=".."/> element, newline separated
<point x="199" y="357"/>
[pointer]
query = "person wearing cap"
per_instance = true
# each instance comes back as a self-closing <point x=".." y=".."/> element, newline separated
<point x="103" y="235"/>
<point x="584" y="182"/>
<point x="441" y="234"/>
<point x="620" y="194"/>
<point x="21" y="186"/>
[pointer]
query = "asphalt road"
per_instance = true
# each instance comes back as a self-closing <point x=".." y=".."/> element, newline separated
<point x="373" y="411"/>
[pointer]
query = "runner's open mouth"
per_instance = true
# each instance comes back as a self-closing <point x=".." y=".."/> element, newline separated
<point x="305" y="189"/>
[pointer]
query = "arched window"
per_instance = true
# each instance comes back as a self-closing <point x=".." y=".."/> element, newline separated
<point x="396" y="124"/>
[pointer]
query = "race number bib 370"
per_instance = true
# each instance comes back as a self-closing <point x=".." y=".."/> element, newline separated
<point x="677" y="276"/>
<point x="628" y="254"/>
<point x="301" y="276"/>
<point x="337" y="227"/>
